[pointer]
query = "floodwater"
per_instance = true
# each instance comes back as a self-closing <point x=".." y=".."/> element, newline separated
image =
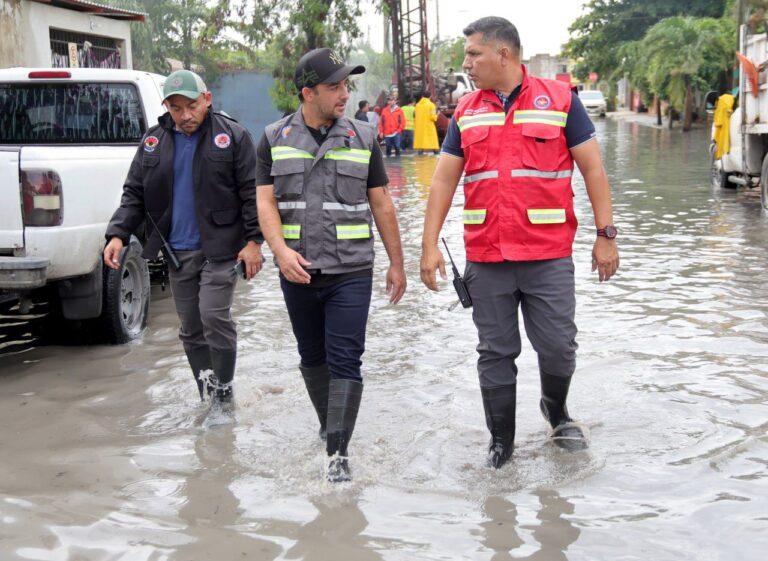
<point x="105" y="457"/>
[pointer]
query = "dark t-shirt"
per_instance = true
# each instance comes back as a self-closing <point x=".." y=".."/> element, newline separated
<point x="578" y="127"/>
<point x="377" y="177"/>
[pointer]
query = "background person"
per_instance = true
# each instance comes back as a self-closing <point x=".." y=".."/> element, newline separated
<point x="321" y="184"/>
<point x="520" y="136"/>
<point x="195" y="176"/>
<point x="362" y="111"/>
<point x="425" y="132"/>
<point x="409" y="111"/>
<point x="391" y="126"/>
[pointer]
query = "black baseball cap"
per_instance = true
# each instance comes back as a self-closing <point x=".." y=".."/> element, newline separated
<point x="322" y="66"/>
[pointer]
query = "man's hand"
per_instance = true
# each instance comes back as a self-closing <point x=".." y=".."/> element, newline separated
<point x="396" y="283"/>
<point x="112" y="252"/>
<point x="251" y="256"/>
<point x="605" y="258"/>
<point x="293" y="265"/>
<point x="431" y="260"/>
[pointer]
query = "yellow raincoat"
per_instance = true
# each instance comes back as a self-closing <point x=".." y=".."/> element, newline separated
<point x="723" y="111"/>
<point x="425" y="132"/>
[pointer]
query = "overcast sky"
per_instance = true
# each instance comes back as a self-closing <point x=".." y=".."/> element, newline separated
<point x="543" y="24"/>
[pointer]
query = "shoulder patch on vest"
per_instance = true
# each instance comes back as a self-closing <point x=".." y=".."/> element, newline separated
<point x="542" y="102"/>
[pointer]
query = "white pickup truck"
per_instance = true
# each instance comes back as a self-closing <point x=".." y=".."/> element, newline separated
<point x="744" y="158"/>
<point x="67" y="138"/>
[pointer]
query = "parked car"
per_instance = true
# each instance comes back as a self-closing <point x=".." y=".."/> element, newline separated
<point x="67" y="138"/>
<point x="593" y="101"/>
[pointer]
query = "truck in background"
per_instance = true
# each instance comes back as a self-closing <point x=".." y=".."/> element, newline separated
<point x="67" y="139"/>
<point x="741" y="157"/>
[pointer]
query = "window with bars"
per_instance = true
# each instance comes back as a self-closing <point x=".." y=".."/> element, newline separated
<point x="92" y="51"/>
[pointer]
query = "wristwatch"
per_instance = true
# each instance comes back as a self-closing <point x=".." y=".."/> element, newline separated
<point x="609" y="231"/>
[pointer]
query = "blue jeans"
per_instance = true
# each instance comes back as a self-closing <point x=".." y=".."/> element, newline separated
<point x="407" y="143"/>
<point x="329" y="324"/>
<point x="393" y="142"/>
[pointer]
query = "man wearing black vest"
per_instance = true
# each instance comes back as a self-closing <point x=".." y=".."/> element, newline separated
<point x="321" y="184"/>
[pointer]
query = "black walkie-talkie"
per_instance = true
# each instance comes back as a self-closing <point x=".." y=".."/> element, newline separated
<point x="458" y="282"/>
<point x="166" y="248"/>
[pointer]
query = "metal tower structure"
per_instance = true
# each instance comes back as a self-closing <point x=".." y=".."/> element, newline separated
<point x="410" y="46"/>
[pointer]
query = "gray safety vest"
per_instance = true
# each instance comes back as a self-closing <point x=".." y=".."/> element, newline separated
<point x="322" y="192"/>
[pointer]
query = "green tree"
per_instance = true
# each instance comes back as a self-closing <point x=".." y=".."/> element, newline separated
<point x="597" y="34"/>
<point x="678" y="51"/>
<point x="448" y="53"/>
<point x="287" y="33"/>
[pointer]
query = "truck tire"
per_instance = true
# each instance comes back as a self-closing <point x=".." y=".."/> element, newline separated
<point x="125" y="308"/>
<point x="764" y="183"/>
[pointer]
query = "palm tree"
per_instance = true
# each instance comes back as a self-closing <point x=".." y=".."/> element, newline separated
<point x="677" y="50"/>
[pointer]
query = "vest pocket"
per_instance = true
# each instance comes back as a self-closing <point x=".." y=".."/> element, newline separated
<point x="289" y="177"/>
<point x="351" y="182"/>
<point x="541" y="146"/>
<point x="354" y="243"/>
<point x="475" y="152"/>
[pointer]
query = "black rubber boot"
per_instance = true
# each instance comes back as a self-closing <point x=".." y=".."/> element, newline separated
<point x="500" y="404"/>
<point x="199" y="359"/>
<point x="554" y="393"/>
<point x="317" y="379"/>
<point x="343" y="403"/>
<point x="224" y="370"/>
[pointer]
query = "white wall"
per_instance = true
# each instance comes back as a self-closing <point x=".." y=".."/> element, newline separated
<point x="10" y="31"/>
<point x="37" y="20"/>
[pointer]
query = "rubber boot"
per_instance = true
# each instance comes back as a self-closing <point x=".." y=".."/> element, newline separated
<point x="343" y="403"/>
<point x="500" y="404"/>
<point x="317" y="380"/>
<point x="199" y="360"/>
<point x="554" y="392"/>
<point x="224" y="370"/>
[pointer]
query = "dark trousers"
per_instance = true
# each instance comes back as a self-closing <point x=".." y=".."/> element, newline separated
<point x="407" y="143"/>
<point x="203" y="294"/>
<point x="393" y="142"/>
<point x="545" y="290"/>
<point x="329" y="323"/>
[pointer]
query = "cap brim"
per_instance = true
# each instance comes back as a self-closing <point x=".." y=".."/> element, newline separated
<point x="343" y="73"/>
<point x="186" y="93"/>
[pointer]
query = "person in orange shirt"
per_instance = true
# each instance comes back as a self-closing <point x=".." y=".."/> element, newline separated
<point x="391" y="126"/>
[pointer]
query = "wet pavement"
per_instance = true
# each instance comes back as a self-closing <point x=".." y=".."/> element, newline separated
<point x="104" y="455"/>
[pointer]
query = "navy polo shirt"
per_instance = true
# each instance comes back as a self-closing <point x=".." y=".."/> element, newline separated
<point x="185" y="234"/>
<point x="578" y="127"/>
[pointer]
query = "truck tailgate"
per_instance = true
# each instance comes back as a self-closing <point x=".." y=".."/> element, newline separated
<point x="11" y="226"/>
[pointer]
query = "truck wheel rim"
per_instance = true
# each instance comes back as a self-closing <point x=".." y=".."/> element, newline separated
<point x="131" y="300"/>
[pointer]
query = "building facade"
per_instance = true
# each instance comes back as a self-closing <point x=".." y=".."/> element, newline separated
<point x="65" y="34"/>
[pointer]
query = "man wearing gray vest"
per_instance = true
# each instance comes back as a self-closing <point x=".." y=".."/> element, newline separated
<point x="321" y="184"/>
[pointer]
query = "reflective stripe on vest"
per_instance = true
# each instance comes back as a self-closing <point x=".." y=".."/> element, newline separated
<point x="562" y="174"/>
<point x="556" y="118"/>
<point x="349" y="208"/>
<point x="349" y="154"/>
<point x="546" y="215"/>
<point x="291" y="231"/>
<point x="287" y="153"/>
<point x="353" y="232"/>
<point x="290" y="205"/>
<point x="488" y="119"/>
<point x="476" y="216"/>
<point x="482" y="175"/>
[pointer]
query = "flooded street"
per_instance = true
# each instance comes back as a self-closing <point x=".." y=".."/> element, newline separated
<point x="104" y="456"/>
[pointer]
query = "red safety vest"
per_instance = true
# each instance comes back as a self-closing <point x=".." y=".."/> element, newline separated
<point x="517" y="185"/>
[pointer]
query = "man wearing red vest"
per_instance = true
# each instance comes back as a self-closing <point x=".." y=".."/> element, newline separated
<point x="516" y="139"/>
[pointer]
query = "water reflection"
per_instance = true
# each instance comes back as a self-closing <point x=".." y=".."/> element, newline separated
<point x="212" y="511"/>
<point x="554" y="533"/>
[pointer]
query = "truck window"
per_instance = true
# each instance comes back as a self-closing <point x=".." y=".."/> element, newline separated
<point x="70" y="113"/>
